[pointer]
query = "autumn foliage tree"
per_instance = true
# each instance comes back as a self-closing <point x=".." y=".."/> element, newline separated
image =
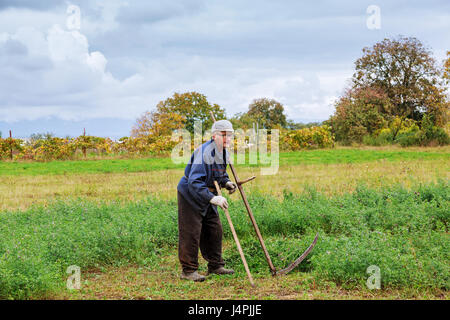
<point x="360" y="112"/>
<point x="447" y="68"/>
<point x="157" y="124"/>
<point x="396" y="83"/>
<point x="188" y="108"/>
<point x="268" y="113"/>
<point x="153" y="130"/>
<point x="179" y="111"/>
<point x="406" y="71"/>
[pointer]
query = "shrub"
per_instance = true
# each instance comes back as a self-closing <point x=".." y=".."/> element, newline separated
<point x="409" y="137"/>
<point x="8" y="144"/>
<point x="431" y="134"/>
<point x="407" y="133"/>
<point x="307" y="138"/>
<point x="381" y="137"/>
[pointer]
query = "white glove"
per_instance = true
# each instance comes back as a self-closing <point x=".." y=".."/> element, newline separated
<point x="220" y="201"/>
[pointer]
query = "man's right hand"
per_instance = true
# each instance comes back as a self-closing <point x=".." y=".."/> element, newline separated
<point x="220" y="201"/>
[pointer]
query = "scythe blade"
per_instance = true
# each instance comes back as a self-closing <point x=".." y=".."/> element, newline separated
<point x="299" y="259"/>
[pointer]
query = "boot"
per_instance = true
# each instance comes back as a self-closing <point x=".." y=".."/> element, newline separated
<point x="194" y="276"/>
<point x="220" y="271"/>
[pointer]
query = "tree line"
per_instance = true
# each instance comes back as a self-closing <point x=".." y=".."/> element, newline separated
<point x="398" y="94"/>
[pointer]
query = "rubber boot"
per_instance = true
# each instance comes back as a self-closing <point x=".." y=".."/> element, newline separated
<point x="193" y="276"/>
<point x="220" y="271"/>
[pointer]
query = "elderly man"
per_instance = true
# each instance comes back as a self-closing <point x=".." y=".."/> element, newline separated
<point x="199" y="224"/>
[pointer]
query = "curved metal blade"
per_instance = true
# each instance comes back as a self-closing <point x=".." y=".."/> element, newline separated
<point x="299" y="259"/>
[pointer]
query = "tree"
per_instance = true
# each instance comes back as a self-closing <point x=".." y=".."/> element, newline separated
<point x="359" y="112"/>
<point x="406" y="71"/>
<point x="36" y="139"/>
<point x="446" y="76"/>
<point x="292" y="125"/>
<point x="176" y="112"/>
<point x="192" y="106"/>
<point x="154" y="124"/>
<point x="242" y="120"/>
<point x="447" y="68"/>
<point x="268" y="113"/>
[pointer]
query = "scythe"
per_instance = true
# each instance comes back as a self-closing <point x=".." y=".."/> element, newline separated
<point x="273" y="270"/>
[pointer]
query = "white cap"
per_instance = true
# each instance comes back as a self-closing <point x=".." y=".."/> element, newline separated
<point x="222" y="125"/>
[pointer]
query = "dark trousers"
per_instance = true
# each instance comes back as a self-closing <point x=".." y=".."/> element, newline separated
<point x="196" y="231"/>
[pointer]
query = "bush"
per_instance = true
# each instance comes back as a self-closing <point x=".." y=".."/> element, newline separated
<point x="47" y="148"/>
<point x="307" y="138"/>
<point x="409" y="137"/>
<point x="408" y="133"/>
<point x="8" y="144"/>
<point x="381" y="137"/>
<point x="430" y="134"/>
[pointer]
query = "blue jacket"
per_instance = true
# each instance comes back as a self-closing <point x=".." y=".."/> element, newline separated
<point x="203" y="168"/>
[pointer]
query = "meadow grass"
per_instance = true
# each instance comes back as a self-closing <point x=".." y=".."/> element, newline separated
<point x="117" y="220"/>
<point x="402" y="231"/>
<point x="20" y="192"/>
<point x="322" y="156"/>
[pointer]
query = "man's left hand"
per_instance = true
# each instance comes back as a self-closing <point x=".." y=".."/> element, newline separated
<point x="231" y="187"/>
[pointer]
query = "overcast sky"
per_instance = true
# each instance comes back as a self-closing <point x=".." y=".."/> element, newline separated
<point x="61" y="74"/>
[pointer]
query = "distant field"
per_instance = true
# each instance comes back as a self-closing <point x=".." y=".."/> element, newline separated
<point x="327" y="156"/>
<point x="331" y="171"/>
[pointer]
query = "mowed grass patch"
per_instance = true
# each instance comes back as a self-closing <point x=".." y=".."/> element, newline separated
<point x="324" y="156"/>
<point x="134" y="282"/>
<point x="20" y="192"/>
<point x="402" y="231"/>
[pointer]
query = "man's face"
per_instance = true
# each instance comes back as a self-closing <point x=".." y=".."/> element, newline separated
<point x="223" y="139"/>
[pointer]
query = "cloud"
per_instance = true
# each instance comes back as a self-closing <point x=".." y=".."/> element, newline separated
<point x="30" y="4"/>
<point x="74" y="83"/>
<point x="139" y="13"/>
<point x="54" y="74"/>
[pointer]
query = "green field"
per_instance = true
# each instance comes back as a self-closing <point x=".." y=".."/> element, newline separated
<point x="388" y="208"/>
<point x="152" y="164"/>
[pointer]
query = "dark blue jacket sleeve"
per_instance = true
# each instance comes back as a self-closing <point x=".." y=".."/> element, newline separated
<point x="223" y="181"/>
<point x="197" y="183"/>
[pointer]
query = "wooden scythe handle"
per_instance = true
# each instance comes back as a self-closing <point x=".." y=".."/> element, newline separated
<point x="246" y="180"/>
<point x="233" y="231"/>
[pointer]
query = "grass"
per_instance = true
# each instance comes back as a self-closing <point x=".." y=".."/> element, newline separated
<point x="404" y="232"/>
<point x="20" y="192"/>
<point x="327" y="156"/>
<point x="134" y="179"/>
<point x="135" y="282"/>
<point x="116" y="219"/>
<point x="19" y="168"/>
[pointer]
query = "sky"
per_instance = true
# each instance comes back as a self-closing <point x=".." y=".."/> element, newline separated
<point x="66" y="66"/>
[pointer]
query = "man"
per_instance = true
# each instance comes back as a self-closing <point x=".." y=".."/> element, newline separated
<point x="199" y="224"/>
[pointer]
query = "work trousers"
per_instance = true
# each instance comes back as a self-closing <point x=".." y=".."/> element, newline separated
<point x="196" y="231"/>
